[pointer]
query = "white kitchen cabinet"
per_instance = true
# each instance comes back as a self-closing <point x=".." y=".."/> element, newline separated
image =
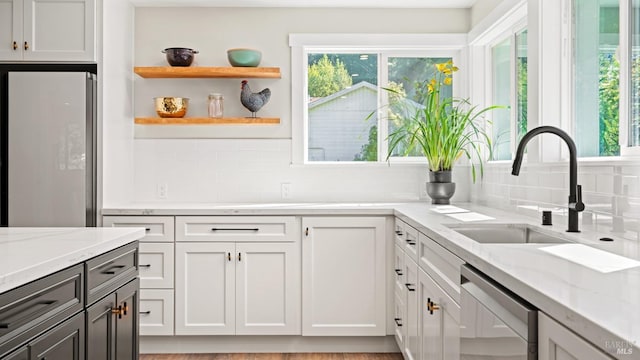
<point x="237" y="289"/>
<point x="344" y="282"/>
<point x="411" y="349"/>
<point x="237" y="228"/>
<point x="555" y="342"/>
<point x="47" y="30"/>
<point x="407" y="238"/>
<point x="157" y="228"/>
<point x="439" y="321"/>
<point x="156" y="311"/>
<point x="156" y="265"/>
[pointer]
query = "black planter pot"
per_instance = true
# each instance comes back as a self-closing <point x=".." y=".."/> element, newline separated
<point x="440" y="188"/>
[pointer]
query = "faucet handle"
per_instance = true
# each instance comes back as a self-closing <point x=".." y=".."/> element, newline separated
<point x="579" y="205"/>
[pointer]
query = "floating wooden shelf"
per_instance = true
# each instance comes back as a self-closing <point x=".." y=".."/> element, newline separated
<point x="206" y="121"/>
<point x="156" y="72"/>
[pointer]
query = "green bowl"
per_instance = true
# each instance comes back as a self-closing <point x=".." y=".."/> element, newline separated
<point x="244" y="57"/>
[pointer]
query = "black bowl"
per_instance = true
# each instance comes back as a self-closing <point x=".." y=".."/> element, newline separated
<point x="179" y="56"/>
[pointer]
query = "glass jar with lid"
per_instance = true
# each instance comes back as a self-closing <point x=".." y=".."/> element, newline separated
<point x="216" y="107"/>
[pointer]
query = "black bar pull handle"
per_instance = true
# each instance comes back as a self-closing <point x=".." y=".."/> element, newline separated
<point x="147" y="229"/>
<point x="399" y="272"/>
<point x="398" y="232"/>
<point x="145" y="265"/>
<point x="145" y="312"/>
<point x="239" y="256"/>
<point x="235" y="229"/>
<point x="398" y="323"/>
<point x="110" y="271"/>
<point x="411" y="242"/>
<point x="409" y="287"/>
<point x="229" y="256"/>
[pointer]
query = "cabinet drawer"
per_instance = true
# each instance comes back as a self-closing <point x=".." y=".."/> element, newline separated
<point x="157" y="228"/>
<point x="32" y="308"/>
<point x="407" y="238"/>
<point x="398" y="271"/>
<point x="156" y="312"/>
<point x="107" y="272"/>
<point x="156" y="265"/>
<point x="442" y="265"/>
<point x="237" y="228"/>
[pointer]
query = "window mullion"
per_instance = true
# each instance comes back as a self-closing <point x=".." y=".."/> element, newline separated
<point x="383" y="103"/>
<point x="625" y="73"/>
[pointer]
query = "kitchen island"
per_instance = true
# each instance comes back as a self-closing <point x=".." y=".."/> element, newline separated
<point x="63" y="289"/>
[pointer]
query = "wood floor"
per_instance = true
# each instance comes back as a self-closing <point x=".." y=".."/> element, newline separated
<point x="275" y="356"/>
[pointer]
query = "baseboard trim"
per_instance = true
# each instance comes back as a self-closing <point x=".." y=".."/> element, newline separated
<point x="266" y="344"/>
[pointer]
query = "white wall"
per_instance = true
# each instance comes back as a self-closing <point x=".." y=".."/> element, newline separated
<point x="252" y="170"/>
<point x="115" y="104"/>
<point x="481" y="9"/>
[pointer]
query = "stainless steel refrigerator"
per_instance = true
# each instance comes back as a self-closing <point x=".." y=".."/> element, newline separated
<point x="49" y="148"/>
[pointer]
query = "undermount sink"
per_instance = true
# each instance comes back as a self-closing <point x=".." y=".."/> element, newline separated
<point x="506" y="234"/>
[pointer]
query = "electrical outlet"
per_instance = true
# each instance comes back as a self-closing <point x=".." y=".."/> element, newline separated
<point x="163" y="191"/>
<point x="285" y="191"/>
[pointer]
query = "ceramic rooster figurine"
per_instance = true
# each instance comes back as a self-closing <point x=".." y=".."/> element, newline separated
<point x="253" y="101"/>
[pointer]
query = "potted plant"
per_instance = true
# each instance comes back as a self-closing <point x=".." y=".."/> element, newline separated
<point x="442" y="128"/>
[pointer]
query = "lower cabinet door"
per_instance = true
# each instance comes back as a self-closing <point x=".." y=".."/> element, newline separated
<point x="555" y="342"/>
<point x="112" y="325"/>
<point x="439" y="321"/>
<point x="127" y="321"/>
<point x="268" y="289"/>
<point x="411" y="340"/>
<point x="205" y="288"/>
<point x="101" y="329"/>
<point x="344" y="272"/>
<point x="64" y="342"/>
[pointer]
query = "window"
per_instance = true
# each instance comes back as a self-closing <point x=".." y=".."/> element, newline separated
<point x="606" y="77"/>
<point x="346" y="116"/>
<point x="342" y="111"/>
<point x="509" y="89"/>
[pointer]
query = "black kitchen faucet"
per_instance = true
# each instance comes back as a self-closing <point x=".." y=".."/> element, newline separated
<point x="575" y="191"/>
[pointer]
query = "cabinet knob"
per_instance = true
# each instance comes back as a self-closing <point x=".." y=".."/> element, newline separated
<point x="26" y="45"/>
<point x="431" y="306"/>
<point x="15" y="45"/>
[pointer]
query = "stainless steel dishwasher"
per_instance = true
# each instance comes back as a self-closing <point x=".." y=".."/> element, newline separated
<point x="494" y="322"/>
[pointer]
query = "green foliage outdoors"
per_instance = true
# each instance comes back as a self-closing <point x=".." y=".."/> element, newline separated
<point x="326" y="77"/>
<point x="369" y="151"/>
<point x="609" y="105"/>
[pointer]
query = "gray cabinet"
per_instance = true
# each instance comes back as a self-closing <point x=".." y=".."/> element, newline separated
<point x="50" y="318"/>
<point x="112" y="311"/>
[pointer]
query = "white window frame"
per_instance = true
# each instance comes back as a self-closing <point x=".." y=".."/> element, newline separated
<point x="506" y="27"/>
<point x="508" y="34"/>
<point x="429" y="45"/>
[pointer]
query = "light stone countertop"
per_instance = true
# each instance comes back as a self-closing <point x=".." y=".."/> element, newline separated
<point x="27" y="254"/>
<point x="602" y="307"/>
